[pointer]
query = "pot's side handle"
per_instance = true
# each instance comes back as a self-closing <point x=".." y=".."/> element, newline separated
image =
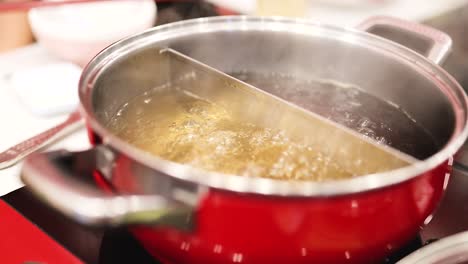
<point x="429" y="42"/>
<point x="57" y="178"/>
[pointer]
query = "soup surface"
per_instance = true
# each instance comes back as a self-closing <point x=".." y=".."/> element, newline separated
<point x="351" y="107"/>
<point x="179" y="126"/>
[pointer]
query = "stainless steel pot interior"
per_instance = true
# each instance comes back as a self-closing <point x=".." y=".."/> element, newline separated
<point x="272" y="45"/>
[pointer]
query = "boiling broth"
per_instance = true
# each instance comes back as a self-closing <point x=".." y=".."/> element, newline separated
<point x="178" y="126"/>
<point x="349" y="106"/>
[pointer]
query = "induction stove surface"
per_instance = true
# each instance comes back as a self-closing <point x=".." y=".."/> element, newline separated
<point x="100" y="246"/>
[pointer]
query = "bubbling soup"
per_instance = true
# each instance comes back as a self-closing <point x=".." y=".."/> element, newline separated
<point x="178" y="126"/>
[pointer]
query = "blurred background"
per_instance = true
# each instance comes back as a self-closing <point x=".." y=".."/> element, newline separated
<point x="15" y="27"/>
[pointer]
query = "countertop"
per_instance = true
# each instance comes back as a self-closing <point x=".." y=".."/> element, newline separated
<point x="18" y="123"/>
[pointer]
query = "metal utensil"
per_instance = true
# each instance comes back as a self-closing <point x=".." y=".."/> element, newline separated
<point x="16" y="153"/>
<point x="350" y="148"/>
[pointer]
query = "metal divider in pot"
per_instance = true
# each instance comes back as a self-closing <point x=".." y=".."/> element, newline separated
<point x="329" y="222"/>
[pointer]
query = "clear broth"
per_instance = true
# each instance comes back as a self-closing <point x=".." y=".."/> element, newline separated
<point x="178" y="126"/>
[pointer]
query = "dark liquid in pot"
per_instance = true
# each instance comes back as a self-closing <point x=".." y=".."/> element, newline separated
<point x="353" y="108"/>
<point x="181" y="127"/>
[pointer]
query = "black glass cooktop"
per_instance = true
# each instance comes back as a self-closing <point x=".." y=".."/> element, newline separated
<point x="117" y="246"/>
<point x="104" y="246"/>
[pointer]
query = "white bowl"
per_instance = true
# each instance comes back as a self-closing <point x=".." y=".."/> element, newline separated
<point x="448" y="250"/>
<point x="77" y="32"/>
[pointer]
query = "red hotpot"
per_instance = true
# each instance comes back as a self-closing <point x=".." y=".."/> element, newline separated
<point x="184" y="215"/>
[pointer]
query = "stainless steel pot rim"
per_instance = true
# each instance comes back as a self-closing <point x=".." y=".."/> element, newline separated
<point x="264" y="186"/>
<point x="453" y="248"/>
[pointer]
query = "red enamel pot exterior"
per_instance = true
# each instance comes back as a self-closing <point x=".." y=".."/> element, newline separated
<point x="358" y="228"/>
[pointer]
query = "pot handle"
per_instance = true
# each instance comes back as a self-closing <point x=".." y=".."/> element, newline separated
<point x="427" y="41"/>
<point x="56" y="178"/>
